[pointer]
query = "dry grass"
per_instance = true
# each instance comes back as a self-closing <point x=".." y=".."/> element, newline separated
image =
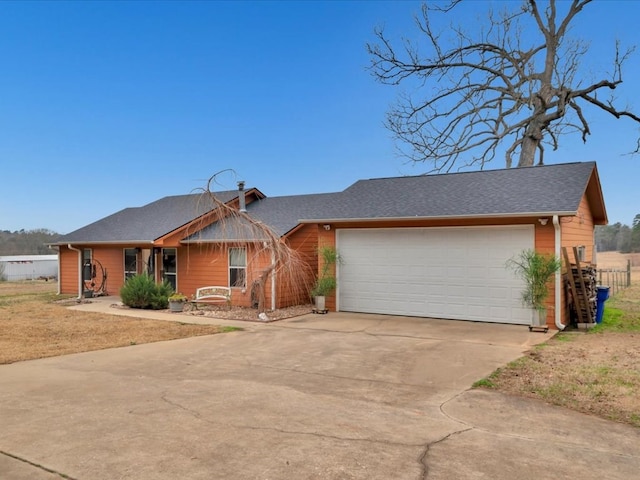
<point x="596" y="372"/>
<point x="33" y="325"/>
<point x="618" y="260"/>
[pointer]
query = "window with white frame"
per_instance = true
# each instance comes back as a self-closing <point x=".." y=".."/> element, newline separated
<point x="238" y="267"/>
<point x="130" y="262"/>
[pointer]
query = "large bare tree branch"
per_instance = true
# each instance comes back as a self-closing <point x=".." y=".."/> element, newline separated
<point x="267" y="253"/>
<point x="473" y="94"/>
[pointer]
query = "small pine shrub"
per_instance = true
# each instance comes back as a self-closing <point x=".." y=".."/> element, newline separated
<point x="140" y="291"/>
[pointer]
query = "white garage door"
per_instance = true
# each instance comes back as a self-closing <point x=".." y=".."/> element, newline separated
<point x="455" y="273"/>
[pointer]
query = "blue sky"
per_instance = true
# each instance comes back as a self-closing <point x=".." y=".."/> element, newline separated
<point x="106" y="105"/>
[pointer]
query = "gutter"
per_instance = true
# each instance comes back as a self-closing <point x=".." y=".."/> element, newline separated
<point x="79" y="269"/>
<point x="226" y="240"/>
<point x="107" y="242"/>
<point x="558" y="238"/>
<point x="437" y="217"/>
<point x="273" y="282"/>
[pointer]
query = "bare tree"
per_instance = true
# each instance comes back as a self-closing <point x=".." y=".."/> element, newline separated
<point x="515" y="84"/>
<point x="269" y="255"/>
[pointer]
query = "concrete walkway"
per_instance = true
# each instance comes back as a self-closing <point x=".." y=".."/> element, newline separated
<point x="112" y="305"/>
<point x="337" y="396"/>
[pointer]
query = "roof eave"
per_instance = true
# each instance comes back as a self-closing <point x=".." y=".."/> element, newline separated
<point x="105" y="242"/>
<point x="440" y="217"/>
<point x="593" y="190"/>
<point x="224" y="240"/>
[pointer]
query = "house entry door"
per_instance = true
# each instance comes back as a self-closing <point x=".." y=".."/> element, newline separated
<point x="169" y="267"/>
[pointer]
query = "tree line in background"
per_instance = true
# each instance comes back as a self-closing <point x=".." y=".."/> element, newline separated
<point x="619" y="237"/>
<point x="27" y="242"/>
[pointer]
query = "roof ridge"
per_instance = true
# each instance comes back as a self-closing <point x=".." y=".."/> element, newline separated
<point x="504" y="169"/>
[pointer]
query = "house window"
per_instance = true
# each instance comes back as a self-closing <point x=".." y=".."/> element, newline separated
<point x="130" y="262"/>
<point x="582" y="253"/>
<point x="237" y="267"/>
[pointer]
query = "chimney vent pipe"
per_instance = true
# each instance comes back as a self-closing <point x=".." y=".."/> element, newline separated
<point x="241" y="198"/>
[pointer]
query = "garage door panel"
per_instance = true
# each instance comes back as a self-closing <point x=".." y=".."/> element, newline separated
<point x="456" y="273"/>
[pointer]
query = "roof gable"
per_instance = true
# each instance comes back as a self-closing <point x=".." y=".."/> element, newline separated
<point x="525" y="191"/>
<point x="281" y="214"/>
<point x="147" y="223"/>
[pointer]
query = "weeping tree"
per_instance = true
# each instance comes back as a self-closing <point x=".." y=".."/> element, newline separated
<point x="269" y="255"/>
<point x="515" y="85"/>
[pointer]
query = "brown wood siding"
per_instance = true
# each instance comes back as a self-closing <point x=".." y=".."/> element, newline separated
<point x="202" y="266"/>
<point x="305" y="242"/>
<point x="578" y="230"/>
<point x="68" y="271"/>
<point x="545" y="244"/>
<point x="206" y="265"/>
<point x="110" y="257"/>
<point x="112" y="260"/>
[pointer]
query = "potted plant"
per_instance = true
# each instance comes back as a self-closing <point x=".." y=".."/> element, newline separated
<point x="326" y="282"/>
<point x="536" y="270"/>
<point x="176" y="302"/>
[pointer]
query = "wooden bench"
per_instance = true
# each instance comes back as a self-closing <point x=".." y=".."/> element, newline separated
<point x="212" y="295"/>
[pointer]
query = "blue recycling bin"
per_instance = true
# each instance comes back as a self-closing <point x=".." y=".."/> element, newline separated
<point x="603" y="295"/>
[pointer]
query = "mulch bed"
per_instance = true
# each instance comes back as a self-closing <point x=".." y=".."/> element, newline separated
<point x="248" y="314"/>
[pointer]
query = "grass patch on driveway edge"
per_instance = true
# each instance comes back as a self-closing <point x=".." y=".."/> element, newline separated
<point x="596" y="372"/>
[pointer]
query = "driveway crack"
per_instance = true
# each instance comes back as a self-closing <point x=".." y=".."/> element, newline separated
<point x="425" y="453"/>
<point x="37" y="465"/>
<point x="197" y="415"/>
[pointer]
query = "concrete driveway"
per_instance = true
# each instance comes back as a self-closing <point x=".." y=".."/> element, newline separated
<point x="338" y="396"/>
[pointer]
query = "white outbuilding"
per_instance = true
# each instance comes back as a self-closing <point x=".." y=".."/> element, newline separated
<point x="28" y="267"/>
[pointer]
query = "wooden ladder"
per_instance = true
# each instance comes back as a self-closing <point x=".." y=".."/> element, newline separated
<point x="582" y="303"/>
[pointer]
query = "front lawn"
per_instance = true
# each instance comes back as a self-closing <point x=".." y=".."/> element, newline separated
<point x="34" y="325"/>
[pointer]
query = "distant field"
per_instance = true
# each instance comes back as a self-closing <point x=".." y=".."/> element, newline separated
<point x="618" y="260"/>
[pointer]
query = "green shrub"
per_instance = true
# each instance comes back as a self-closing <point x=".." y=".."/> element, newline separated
<point x="140" y="291"/>
<point x="536" y="270"/>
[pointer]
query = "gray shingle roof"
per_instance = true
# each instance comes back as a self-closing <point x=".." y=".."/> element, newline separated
<point x="281" y="214"/>
<point x="147" y="223"/>
<point x="545" y="189"/>
<point x="540" y="190"/>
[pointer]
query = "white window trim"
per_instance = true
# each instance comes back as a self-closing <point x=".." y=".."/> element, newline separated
<point x="238" y="267"/>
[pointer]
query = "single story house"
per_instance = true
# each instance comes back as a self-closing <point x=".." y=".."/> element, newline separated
<point x="428" y="246"/>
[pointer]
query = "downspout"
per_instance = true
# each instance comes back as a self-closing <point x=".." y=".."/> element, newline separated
<point x="79" y="269"/>
<point x="273" y="282"/>
<point x="51" y="247"/>
<point x="558" y="282"/>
